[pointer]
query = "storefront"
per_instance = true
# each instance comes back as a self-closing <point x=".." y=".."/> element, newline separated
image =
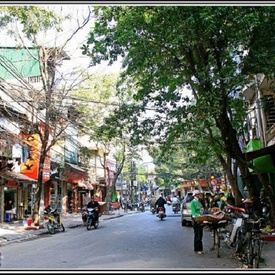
<point x="19" y="189"/>
<point x="76" y="186"/>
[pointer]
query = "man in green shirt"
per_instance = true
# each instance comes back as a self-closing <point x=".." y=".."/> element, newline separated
<point x="197" y="210"/>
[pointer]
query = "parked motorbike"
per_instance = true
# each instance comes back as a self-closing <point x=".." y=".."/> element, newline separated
<point x="84" y="214"/>
<point x="153" y="209"/>
<point x="127" y="205"/>
<point x="265" y="205"/>
<point x="91" y="221"/>
<point x="161" y="214"/>
<point x="135" y="205"/>
<point x="176" y="208"/>
<point x="235" y="234"/>
<point x="141" y="206"/>
<point x="53" y="220"/>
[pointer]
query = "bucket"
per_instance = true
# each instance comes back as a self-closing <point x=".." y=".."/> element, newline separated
<point x="29" y="222"/>
<point x="25" y="223"/>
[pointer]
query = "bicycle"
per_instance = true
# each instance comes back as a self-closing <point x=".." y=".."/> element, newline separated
<point x="255" y="243"/>
<point x="218" y="229"/>
<point x="216" y="222"/>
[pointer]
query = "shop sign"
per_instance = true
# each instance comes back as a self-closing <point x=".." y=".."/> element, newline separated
<point x="11" y="183"/>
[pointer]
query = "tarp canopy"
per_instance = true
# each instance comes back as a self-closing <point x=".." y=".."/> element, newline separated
<point x="10" y="175"/>
<point x="263" y="158"/>
<point x="260" y="152"/>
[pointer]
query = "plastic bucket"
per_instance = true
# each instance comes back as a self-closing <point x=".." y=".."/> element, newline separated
<point x="29" y="222"/>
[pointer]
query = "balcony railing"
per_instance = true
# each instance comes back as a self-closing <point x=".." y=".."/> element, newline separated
<point x="269" y="109"/>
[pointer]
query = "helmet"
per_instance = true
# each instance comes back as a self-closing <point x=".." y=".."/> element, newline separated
<point x="160" y="196"/>
<point x="196" y="192"/>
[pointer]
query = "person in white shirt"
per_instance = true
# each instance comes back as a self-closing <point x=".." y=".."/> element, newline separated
<point x="175" y="200"/>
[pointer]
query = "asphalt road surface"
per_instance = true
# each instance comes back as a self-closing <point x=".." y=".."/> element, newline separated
<point x="140" y="242"/>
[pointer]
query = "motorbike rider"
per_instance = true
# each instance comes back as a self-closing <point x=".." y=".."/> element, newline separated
<point x="94" y="204"/>
<point x="152" y="202"/>
<point x="160" y="203"/>
<point x="175" y="201"/>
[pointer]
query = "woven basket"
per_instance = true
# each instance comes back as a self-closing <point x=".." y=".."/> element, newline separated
<point x="209" y="218"/>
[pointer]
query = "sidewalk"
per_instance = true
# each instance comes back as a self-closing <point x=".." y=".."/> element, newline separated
<point x="16" y="232"/>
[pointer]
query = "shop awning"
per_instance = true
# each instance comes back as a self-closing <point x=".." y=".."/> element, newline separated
<point x="76" y="167"/>
<point x="85" y="185"/>
<point x="9" y="175"/>
<point x="203" y="183"/>
<point x="186" y="185"/>
<point x="74" y="174"/>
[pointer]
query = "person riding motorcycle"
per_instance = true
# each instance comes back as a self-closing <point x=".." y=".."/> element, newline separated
<point x="175" y="201"/>
<point x="160" y="203"/>
<point x="94" y="204"/>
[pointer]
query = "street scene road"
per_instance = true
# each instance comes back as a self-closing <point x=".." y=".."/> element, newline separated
<point x="140" y="241"/>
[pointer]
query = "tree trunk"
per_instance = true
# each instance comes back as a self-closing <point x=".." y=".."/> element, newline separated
<point x="38" y="192"/>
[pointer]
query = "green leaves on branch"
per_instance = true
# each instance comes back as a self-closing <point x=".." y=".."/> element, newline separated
<point x="33" y="19"/>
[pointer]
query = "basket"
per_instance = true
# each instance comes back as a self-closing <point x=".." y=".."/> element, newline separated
<point x="209" y="218"/>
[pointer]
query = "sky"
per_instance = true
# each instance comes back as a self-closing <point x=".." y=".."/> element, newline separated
<point x="52" y="38"/>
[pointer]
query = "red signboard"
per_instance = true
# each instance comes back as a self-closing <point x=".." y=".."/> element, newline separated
<point x="30" y="166"/>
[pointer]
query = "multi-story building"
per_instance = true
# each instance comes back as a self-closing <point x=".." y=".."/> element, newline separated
<point x="259" y="141"/>
<point x="64" y="178"/>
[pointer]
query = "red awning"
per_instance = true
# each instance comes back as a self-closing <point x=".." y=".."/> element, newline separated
<point x="75" y="177"/>
<point x="74" y="174"/>
<point x="203" y="183"/>
<point x="186" y="185"/>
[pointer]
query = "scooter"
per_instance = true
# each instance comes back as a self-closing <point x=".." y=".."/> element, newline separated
<point x="161" y="214"/>
<point x="153" y="209"/>
<point x="91" y="221"/>
<point x="53" y="220"/>
<point x="234" y="235"/>
<point x="176" y="208"/>
<point x="84" y="214"/>
<point x="141" y="206"/>
<point x="265" y="205"/>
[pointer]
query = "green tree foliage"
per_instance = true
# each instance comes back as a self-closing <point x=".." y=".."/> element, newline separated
<point x="97" y="99"/>
<point x="210" y="50"/>
<point x="33" y="19"/>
